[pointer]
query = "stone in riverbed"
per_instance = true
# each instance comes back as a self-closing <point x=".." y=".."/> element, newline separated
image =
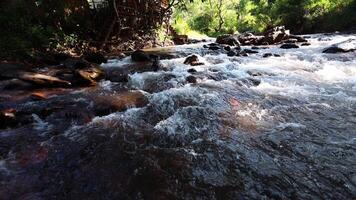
<point x="95" y="57"/>
<point x="140" y="56"/>
<point x="231" y="40"/>
<point x="289" y="46"/>
<point x="306" y="44"/>
<point x="231" y="53"/>
<point x="191" y="79"/>
<point x="192" y="71"/>
<point x="342" y="47"/>
<point x="193" y="60"/>
<point x="106" y="104"/>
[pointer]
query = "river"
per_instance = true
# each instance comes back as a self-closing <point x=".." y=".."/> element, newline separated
<point x="279" y="127"/>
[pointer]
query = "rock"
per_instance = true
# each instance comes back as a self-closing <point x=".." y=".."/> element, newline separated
<point x="231" y="53"/>
<point x="156" y="64"/>
<point x="192" y="71"/>
<point x="75" y="63"/>
<point x="227" y="48"/>
<point x="88" y="76"/>
<point x="289" y="46"/>
<point x="250" y="39"/>
<point x="306" y="44"/>
<point x="266" y="55"/>
<point x="342" y="47"/>
<point x="290" y="41"/>
<point x="214" y="48"/>
<point x="95" y="57"/>
<point x="276" y="35"/>
<point x="140" y="56"/>
<point x="12" y="70"/>
<point x="15" y="84"/>
<point x="106" y="104"/>
<point x="333" y="50"/>
<point x="61" y="57"/>
<point x="180" y="39"/>
<point x="276" y="55"/>
<point x="191" y="79"/>
<point x="192" y="60"/>
<point x="43" y="80"/>
<point x="255" y="48"/>
<point x="250" y="51"/>
<point x="231" y="40"/>
<point x="298" y="38"/>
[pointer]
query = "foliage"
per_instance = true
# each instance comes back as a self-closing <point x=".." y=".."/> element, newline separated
<point x="301" y="16"/>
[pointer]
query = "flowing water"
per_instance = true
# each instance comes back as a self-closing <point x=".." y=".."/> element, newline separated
<point x="250" y="128"/>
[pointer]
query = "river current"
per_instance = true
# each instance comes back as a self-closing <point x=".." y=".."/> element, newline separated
<point x="278" y="127"/>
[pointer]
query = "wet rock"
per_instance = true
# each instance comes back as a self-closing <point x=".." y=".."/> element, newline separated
<point x="255" y="48"/>
<point x="289" y="46"/>
<point x="180" y="39"/>
<point x="276" y="55"/>
<point x="214" y="48"/>
<point x="140" y="56"/>
<point x="15" y="84"/>
<point x="290" y="41"/>
<point x="156" y="64"/>
<point x="43" y="80"/>
<point x="95" y="57"/>
<point x="298" y="38"/>
<point x="231" y="53"/>
<point x="305" y="44"/>
<point x="61" y="57"/>
<point x="266" y="55"/>
<point x="192" y="60"/>
<point x="333" y="50"/>
<point x="227" y="48"/>
<point x="250" y="51"/>
<point x="12" y="70"/>
<point x="106" y="104"/>
<point x="250" y="39"/>
<point x="88" y="76"/>
<point x="192" y="71"/>
<point x="191" y="79"/>
<point x="276" y="35"/>
<point x="342" y="47"/>
<point x="231" y="40"/>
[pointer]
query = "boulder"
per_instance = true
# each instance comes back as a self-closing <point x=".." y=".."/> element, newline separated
<point x="231" y="40"/>
<point x="231" y="53"/>
<point x="180" y="39"/>
<point x="298" y="38"/>
<point x="289" y="46"/>
<point x="342" y="47"/>
<point x="95" y="57"/>
<point x="192" y="60"/>
<point x="306" y="44"/>
<point x="266" y="55"/>
<point x="250" y="51"/>
<point x="89" y="75"/>
<point x="191" y="79"/>
<point x="140" y="56"/>
<point x="106" y="104"/>
<point x="192" y="70"/>
<point x="250" y="39"/>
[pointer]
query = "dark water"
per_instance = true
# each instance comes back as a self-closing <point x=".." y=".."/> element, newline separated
<point x="250" y="128"/>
